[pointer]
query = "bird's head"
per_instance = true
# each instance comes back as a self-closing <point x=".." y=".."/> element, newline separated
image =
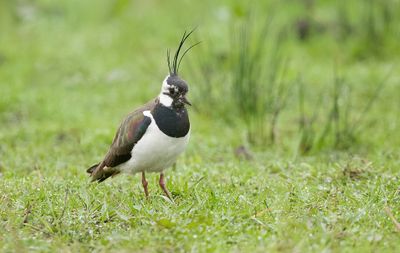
<point x="173" y="92"/>
<point x="174" y="89"/>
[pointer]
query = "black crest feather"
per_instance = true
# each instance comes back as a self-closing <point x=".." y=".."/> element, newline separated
<point x="173" y="66"/>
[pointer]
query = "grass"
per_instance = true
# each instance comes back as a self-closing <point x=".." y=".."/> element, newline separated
<point x="253" y="75"/>
<point x="70" y="70"/>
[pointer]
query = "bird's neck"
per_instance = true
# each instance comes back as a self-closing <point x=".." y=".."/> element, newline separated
<point x="165" y="100"/>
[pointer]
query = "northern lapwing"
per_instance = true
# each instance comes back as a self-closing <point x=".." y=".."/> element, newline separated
<point x="151" y="138"/>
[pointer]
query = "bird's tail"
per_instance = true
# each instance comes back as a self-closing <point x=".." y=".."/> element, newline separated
<point x="92" y="168"/>
<point x="100" y="173"/>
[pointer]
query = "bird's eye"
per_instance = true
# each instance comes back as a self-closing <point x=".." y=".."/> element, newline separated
<point x="171" y="91"/>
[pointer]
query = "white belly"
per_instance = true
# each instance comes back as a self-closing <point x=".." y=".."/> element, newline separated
<point x="155" y="151"/>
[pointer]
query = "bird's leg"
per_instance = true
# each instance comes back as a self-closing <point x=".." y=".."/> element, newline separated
<point x="163" y="186"/>
<point x="145" y="183"/>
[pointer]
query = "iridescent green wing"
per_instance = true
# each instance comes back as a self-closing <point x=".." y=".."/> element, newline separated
<point x="129" y="133"/>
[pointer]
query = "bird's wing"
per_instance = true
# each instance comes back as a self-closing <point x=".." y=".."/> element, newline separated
<point x="129" y="133"/>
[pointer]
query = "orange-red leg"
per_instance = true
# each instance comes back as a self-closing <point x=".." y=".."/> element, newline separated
<point x="145" y="183"/>
<point x="163" y="186"/>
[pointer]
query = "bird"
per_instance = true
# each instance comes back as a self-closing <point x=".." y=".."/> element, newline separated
<point x="151" y="138"/>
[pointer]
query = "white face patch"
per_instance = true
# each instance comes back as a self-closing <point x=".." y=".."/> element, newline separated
<point x="165" y="99"/>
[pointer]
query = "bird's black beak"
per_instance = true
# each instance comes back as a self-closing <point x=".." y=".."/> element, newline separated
<point x="185" y="101"/>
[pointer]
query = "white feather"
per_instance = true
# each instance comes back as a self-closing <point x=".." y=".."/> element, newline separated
<point x="165" y="99"/>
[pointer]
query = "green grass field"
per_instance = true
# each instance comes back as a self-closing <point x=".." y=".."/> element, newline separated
<point x="314" y="105"/>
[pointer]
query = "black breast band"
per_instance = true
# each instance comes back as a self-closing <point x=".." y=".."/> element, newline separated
<point x="172" y="122"/>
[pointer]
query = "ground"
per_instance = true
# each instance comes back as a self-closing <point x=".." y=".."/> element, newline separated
<point x="70" y="71"/>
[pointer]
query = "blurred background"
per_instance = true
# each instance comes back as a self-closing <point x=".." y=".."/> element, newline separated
<point x="295" y="77"/>
<point x="295" y="125"/>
